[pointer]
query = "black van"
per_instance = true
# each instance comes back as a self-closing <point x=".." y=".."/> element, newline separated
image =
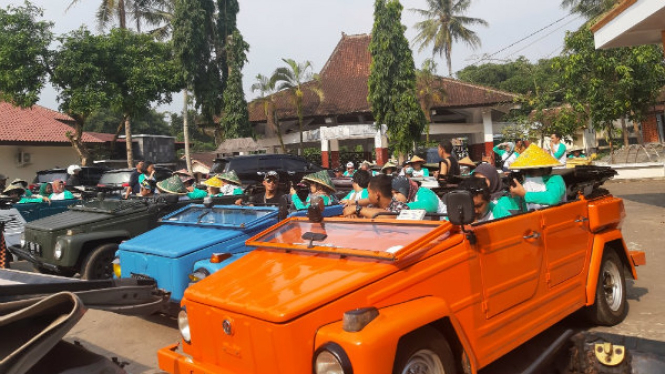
<point x="251" y="168"/>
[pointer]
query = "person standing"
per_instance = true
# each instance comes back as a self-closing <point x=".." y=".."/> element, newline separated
<point x="557" y="148"/>
<point x="134" y="187"/>
<point x="449" y="165"/>
<point x="73" y="180"/>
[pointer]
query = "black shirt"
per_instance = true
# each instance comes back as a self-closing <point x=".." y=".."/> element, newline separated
<point x="260" y="198"/>
<point x="453" y="165"/>
<point x="134" y="181"/>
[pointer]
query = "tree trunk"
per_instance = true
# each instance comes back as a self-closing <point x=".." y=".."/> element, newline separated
<point x="77" y="143"/>
<point x="115" y="137"/>
<point x="185" y="132"/>
<point x="428" y="117"/>
<point x="128" y="142"/>
<point x="611" y="142"/>
<point x="299" y="109"/>
<point x="271" y="117"/>
<point x="638" y="133"/>
<point x="448" y="62"/>
<point x="624" y="131"/>
<point x="122" y="15"/>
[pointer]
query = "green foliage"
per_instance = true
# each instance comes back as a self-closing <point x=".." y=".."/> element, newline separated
<point x="589" y="8"/>
<point x="445" y="22"/>
<point x="429" y="90"/>
<point x="605" y="85"/>
<point x="199" y="141"/>
<point x="24" y="54"/>
<point x="392" y="80"/>
<point x="235" y="117"/>
<point x="201" y="31"/>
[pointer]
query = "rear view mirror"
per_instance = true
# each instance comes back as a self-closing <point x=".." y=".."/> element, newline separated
<point x="207" y="202"/>
<point x="460" y="207"/>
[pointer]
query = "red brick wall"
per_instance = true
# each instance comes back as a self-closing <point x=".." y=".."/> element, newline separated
<point x="650" y="129"/>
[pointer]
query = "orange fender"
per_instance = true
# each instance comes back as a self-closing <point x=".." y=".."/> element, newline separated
<point x="633" y="258"/>
<point x="373" y="349"/>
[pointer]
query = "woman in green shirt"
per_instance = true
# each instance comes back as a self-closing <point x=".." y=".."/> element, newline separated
<point x="319" y="185"/>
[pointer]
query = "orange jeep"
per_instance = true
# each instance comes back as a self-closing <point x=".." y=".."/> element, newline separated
<point x="374" y="297"/>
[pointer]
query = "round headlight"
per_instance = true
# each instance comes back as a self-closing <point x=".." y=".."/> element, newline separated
<point x="327" y="363"/>
<point x="57" y="251"/>
<point x="183" y="325"/>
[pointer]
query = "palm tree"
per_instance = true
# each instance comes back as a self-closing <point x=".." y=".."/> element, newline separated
<point x="108" y="9"/>
<point x="293" y="78"/>
<point x="446" y="23"/>
<point x="428" y="89"/>
<point x="151" y="12"/>
<point x="266" y="88"/>
<point x="588" y="8"/>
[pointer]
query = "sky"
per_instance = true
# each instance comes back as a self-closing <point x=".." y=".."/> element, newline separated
<point x="310" y="29"/>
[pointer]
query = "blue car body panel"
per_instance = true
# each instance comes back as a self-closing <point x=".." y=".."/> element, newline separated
<point x="34" y="211"/>
<point x="168" y="252"/>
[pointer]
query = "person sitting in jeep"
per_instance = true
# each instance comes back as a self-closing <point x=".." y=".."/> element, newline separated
<point x="148" y="187"/>
<point x="231" y="184"/>
<point x="484" y="208"/>
<point x="59" y="192"/>
<point x="540" y="188"/>
<point x="381" y="199"/>
<point x="213" y="185"/>
<point x="271" y="196"/>
<point x="319" y="185"/>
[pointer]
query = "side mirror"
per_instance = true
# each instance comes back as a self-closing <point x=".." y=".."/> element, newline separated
<point x="460" y="207"/>
<point x="207" y="202"/>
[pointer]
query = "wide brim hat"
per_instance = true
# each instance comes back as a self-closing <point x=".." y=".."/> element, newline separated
<point x="388" y="165"/>
<point x="213" y="182"/>
<point x="230" y="177"/>
<point x="13" y="187"/>
<point x="322" y="178"/>
<point x="184" y="175"/>
<point x="21" y="182"/>
<point x="415" y="159"/>
<point x="467" y="162"/>
<point x="534" y="158"/>
<point x="172" y="185"/>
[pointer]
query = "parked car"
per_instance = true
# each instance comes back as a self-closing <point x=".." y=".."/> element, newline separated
<point x="88" y="176"/>
<point x="84" y="238"/>
<point x="385" y="296"/>
<point x="116" y="181"/>
<point x="167" y="254"/>
<point x="251" y="168"/>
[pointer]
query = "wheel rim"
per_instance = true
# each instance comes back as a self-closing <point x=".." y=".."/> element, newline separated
<point x="103" y="267"/>
<point x="612" y="285"/>
<point x="424" y="362"/>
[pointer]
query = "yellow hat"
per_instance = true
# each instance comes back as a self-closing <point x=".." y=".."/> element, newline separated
<point x="534" y="158"/>
<point x="213" y="182"/>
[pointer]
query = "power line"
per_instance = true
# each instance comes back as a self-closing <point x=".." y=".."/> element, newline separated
<point x="543" y="37"/>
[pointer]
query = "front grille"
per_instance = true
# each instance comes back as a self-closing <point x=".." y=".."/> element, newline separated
<point x="34" y="248"/>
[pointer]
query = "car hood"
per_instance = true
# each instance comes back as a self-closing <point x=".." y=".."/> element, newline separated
<point x="176" y="241"/>
<point x="276" y="286"/>
<point x="66" y="220"/>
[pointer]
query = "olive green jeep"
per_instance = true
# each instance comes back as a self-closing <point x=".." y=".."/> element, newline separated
<point x="84" y="239"/>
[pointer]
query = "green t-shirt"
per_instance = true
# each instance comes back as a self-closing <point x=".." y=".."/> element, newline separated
<point x="350" y="195"/>
<point x="300" y="205"/>
<point x="555" y="189"/>
<point x="197" y="194"/>
<point x="425" y="199"/>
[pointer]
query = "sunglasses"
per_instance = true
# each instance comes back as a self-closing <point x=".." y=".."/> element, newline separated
<point x="271" y="181"/>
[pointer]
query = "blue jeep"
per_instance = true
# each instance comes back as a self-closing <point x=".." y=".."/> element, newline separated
<point x="168" y="253"/>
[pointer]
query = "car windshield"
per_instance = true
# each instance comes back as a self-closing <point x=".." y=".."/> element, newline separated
<point x="218" y="215"/>
<point x="373" y="239"/>
<point x="115" y="177"/>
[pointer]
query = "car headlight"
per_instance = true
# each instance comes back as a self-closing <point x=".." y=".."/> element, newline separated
<point x="57" y="251"/>
<point x="183" y="326"/>
<point x="116" y="267"/>
<point x="23" y="239"/>
<point x="330" y="358"/>
<point x="198" y="275"/>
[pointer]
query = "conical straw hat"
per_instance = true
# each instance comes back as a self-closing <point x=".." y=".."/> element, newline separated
<point x="213" y="182"/>
<point x="172" y="185"/>
<point x="230" y="177"/>
<point x="322" y="178"/>
<point x="534" y="158"/>
<point x="467" y="162"/>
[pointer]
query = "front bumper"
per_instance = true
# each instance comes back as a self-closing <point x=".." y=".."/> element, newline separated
<point x="26" y="255"/>
<point x="174" y="362"/>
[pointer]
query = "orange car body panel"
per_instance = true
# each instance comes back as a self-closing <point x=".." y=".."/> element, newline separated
<point x="286" y="299"/>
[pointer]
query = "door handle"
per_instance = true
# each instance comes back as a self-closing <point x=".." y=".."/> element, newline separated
<point x="534" y="235"/>
<point x="580" y="220"/>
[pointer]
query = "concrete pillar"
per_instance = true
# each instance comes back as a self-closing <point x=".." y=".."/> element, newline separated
<point x="324" y="153"/>
<point x="487" y="131"/>
<point x="381" y="145"/>
<point x="589" y="139"/>
<point x="476" y="146"/>
<point x="334" y="153"/>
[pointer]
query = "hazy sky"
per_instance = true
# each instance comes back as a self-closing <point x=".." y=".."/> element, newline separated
<point x="310" y="30"/>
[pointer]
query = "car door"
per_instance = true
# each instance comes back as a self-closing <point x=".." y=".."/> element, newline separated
<point x="567" y="239"/>
<point x="511" y="255"/>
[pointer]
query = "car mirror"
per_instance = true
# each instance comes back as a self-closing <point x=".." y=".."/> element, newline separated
<point x="314" y="237"/>
<point x="460" y="207"/>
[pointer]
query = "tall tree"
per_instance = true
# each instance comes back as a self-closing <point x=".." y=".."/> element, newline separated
<point x="589" y="8"/>
<point x="430" y="89"/>
<point x="392" y="79"/>
<point x="109" y="10"/>
<point x="293" y="78"/>
<point x="266" y="88"/>
<point x="607" y="85"/>
<point x="235" y="117"/>
<point x="445" y="24"/>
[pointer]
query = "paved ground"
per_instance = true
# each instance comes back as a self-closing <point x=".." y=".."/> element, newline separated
<point x="136" y="340"/>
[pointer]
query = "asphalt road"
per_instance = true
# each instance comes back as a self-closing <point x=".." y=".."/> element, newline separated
<point x="136" y="340"/>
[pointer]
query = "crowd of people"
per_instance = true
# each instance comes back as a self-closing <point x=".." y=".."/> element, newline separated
<point x="18" y="189"/>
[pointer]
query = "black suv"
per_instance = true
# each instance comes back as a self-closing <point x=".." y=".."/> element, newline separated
<point x="251" y="169"/>
<point x="115" y="181"/>
<point x="88" y="176"/>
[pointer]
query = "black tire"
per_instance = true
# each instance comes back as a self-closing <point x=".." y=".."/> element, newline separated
<point x="98" y="264"/>
<point x="62" y="273"/>
<point x="424" y="351"/>
<point x="610" y="306"/>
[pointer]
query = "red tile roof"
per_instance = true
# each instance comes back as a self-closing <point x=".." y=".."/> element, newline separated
<point x="36" y="124"/>
<point x="343" y="81"/>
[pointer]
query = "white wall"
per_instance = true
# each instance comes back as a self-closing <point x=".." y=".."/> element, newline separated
<point x="41" y="158"/>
